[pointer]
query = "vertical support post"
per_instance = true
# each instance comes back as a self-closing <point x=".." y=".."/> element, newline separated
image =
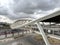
<point x="5" y="34"/>
<point x="53" y="32"/>
<point x="18" y="33"/>
<point x="43" y="34"/>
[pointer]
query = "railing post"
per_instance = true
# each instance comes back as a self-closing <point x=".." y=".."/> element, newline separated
<point x="43" y="33"/>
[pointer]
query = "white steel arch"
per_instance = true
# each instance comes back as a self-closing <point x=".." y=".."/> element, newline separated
<point x="16" y="25"/>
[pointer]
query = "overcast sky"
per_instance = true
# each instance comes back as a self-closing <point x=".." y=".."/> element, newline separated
<point x="27" y="8"/>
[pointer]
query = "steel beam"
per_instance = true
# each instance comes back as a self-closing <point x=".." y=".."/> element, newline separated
<point x="17" y="24"/>
<point x="43" y="33"/>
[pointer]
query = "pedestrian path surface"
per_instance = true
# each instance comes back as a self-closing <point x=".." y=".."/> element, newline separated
<point x="26" y="40"/>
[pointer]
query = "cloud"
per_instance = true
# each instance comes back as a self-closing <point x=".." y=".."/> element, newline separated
<point x="28" y="7"/>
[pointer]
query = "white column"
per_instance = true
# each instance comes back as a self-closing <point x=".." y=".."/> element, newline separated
<point x="43" y="34"/>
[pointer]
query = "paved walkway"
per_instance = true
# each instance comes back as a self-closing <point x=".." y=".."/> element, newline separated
<point x="26" y="40"/>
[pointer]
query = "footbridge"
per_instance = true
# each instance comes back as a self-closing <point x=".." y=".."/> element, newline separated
<point x="53" y="17"/>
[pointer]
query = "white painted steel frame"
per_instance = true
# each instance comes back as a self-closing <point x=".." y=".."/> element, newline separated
<point x="17" y="25"/>
<point x="43" y="33"/>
